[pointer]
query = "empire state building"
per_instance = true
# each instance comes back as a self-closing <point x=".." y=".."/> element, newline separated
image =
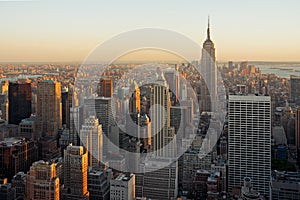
<point x="209" y="74"/>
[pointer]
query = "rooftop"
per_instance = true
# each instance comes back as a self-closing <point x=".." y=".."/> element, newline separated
<point x="124" y="177"/>
<point x="8" y="142"/>
<point x="29" y="120"/>
<point x="249" y="98"/>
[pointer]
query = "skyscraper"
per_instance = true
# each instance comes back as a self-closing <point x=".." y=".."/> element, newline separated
<point x="295" y="88"/>
<point x="91" y="138"/>
<point x="249" y="141"/>
<point x="297" y="132"/>
<point x="7" y="192"/>
<point x="208" y="59"/>
<point x="105" y="88"/>
<point x="4" y="87"/>
<point x="135" y="102"/>
<point x="75" y="173"/>
<point x="172" y="78"/>
<point x="99" y="183"/>
<point x="42" y="182"/>
<point x="160" y="180"/>
<point x="76" y="121"/>
<point x="18" y="182"/>
<point x="19" y="97"/>
<point x="16" y="154"/>
<point x="133" y="119"/>
<point x="101" y="107"/>
<point x="160" y="114"/>
<point x="4" y="106"/>
<point x="48" y="119"/>
<point x="66" y="104"/>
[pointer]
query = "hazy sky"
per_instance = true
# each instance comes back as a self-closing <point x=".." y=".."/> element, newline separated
<point x="69" y="30"/>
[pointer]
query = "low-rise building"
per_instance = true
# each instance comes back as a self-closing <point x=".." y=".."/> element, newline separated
<point x="122" y="187"/>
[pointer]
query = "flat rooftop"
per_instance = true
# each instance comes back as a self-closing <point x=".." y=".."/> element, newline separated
<point x="8" y="142"/>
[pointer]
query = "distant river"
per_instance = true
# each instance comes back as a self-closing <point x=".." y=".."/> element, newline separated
<point x="283" y="70"/>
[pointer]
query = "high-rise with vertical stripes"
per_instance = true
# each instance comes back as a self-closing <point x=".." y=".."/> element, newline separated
<point x="249" y="141"/>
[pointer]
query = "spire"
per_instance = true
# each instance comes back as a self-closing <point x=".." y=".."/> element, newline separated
<point x="208" y="29"/>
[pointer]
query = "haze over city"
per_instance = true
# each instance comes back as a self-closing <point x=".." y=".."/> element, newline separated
<point x="50" y="31"/>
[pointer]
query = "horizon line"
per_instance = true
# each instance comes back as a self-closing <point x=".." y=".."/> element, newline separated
<point x="123" y="62"/>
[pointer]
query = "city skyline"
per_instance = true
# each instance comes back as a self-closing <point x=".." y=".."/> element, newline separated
<point x="149" y="100"/>
<point x="44" y="31"/>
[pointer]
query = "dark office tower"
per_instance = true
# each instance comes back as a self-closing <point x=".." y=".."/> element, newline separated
<point x="66" y="104"/>
<point x="18" y="182"/>
<point x="76" y="120"/>
<point x="98" y="184"/>
<point x="7" y="192"/>
<point x="208" y="59"/>
<point x="19" y="97"/>
<point x="48" y="119"/>
<point x="16" y="155"/>
<point x="172" y="78"/>
<point x="178" y="119"/>
<point x="297" y="131"/>
<point x="101" y="107"/>
<point x="295" y="88"/>
<point x="4" y="106"/>
<point x="105" y="88"/>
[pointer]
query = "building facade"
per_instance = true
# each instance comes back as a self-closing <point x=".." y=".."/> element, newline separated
<point x="105" y="88"/>
<point x="92" y="141"/>
<point x="42" y="182"/>
<point x="249" y="141"/>
<point x="18" y="182"/>
<point x="99" y="184"/>
<point x="7" y="192"/>
<point x="123" y="187"/>
<point x="160" y="114"/>
<point x="160" y="180"/>
<point x="27" y="128"/>
<point x="16" y="154"/>
<point x="75" y="173"/>
<point x="295" y="88"/>
<point x="19" y="97"/>
<point x="297" y="132"/>
<point x="209" y="74"/>
<point x="49" y="118"/>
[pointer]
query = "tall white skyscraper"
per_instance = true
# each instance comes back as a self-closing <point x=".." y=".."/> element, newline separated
<point x="91" y="138"/>
<point x="160" y="115"/>
<point x="249" y="141"/>
<point x="209" y="73"/>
